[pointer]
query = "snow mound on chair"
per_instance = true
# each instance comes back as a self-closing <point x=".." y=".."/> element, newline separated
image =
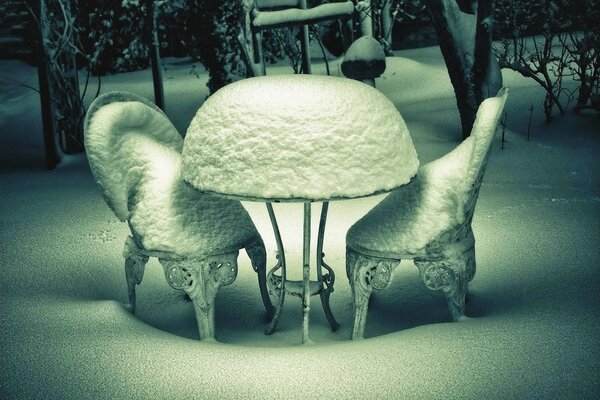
<point x="412" y="216"/>
<point x="111" y="119"/>
<point x="134" y="153"/>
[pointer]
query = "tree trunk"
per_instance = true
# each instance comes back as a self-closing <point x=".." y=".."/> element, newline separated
<point x="48" y="122"/>
<point x="154" y="48"/>
<point x="58" y="41"/>
<point x="459" y="69"/>
<point x="483" y="47"/>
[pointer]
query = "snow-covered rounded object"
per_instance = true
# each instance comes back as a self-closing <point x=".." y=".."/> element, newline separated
<point x="134" y="154"/>
<point x="365" y="59"/>
<point x="438" y="200"/>
<point x="298" y="137"/>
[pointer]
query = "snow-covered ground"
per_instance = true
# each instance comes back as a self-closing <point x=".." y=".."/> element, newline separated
<point x="534" y="331"/>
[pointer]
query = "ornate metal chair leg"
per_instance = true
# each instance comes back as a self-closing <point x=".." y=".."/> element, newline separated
<point x="471" y="265"/>
<point x="258" y="258"/>
<point x="470" y="269"/>
<point x="201" y="279"/>
<point x="455" y="295"/>
<point x="368" y="274"/>
<point x="135" y="264"/>
<point x="361" y="292"/>
<point x="328" y="280"/>
<point x="449" y="276"/>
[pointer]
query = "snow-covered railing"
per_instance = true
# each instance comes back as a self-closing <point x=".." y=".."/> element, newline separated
<point x="276" y="4"/>
<point x="262" y="20"/>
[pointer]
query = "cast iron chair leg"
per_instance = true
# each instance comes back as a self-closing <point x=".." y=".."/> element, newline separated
<point x="361" y="294"/>
<point x="135" y="264"/>
<point x="450" y="276"/>
<point x="201" y="280"/>
<point x="367" y="274"/>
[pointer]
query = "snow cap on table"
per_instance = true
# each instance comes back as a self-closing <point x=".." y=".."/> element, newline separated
<point x="298" y="137"/>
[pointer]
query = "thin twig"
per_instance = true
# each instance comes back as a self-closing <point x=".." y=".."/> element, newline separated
<point x="29" y="87"/>
<point x="529" y="123"/>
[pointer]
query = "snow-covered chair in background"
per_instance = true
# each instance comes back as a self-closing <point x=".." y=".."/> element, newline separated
<point x="273" y="14"/>
<point x="428" y="221"/>
<point x="134" y="154"/>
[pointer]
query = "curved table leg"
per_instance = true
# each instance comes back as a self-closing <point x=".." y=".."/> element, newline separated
<point x="306" y="288"/>
<point x="274" y="285"/>
<point x="329" y="279"/>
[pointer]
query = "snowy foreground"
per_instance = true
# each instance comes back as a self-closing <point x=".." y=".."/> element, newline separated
<point x="65" y="333"/>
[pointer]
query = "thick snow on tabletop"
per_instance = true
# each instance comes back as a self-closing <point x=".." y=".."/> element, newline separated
<point x="298" y="136"/>
<point x="133" y="151"/>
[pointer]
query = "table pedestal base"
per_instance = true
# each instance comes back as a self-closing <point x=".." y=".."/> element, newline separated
<point x="279" y="286"/>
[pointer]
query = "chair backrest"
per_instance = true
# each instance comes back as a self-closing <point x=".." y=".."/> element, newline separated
<point x="116" y="138"/>
<point x="486" y="124"/>
<point x="273" y="14"/>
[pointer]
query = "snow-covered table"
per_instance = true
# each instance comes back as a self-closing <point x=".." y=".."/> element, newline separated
<point x="298" y="138"/>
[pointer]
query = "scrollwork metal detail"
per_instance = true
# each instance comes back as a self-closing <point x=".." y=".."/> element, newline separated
<point x="274" y="282"/>
<point x="370" y="273"/>
<point x="436" y="275"/>
<point x="180" y="275"/>
<point x="448" y="275"/>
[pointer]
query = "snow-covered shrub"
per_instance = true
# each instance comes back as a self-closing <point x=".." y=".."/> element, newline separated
<point x="215" y="29"/>
<point x="546" y="40"/>
<point x="582" y="43"/>
<point x="114" y="35"/>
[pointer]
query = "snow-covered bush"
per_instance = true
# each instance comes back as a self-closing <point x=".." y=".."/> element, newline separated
<point x="215" y="28"/>
<point x="114" y="32"/>
<point x="60" y="96"/>
<point x="582" y="43"/>
<point x="114" y="35"/>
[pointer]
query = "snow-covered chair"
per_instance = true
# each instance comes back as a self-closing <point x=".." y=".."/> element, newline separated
<point x="134" y="153"/>
<point x="274" y="14"/>
<point x="428" y="221"/>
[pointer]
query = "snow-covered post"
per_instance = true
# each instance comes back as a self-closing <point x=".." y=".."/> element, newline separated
<point x="363" y="9"/>
<point x="387" y="23"/>
<point x="364" y="60"/>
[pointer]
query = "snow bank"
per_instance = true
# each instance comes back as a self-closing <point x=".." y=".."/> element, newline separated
<point x="534" y="300"/>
